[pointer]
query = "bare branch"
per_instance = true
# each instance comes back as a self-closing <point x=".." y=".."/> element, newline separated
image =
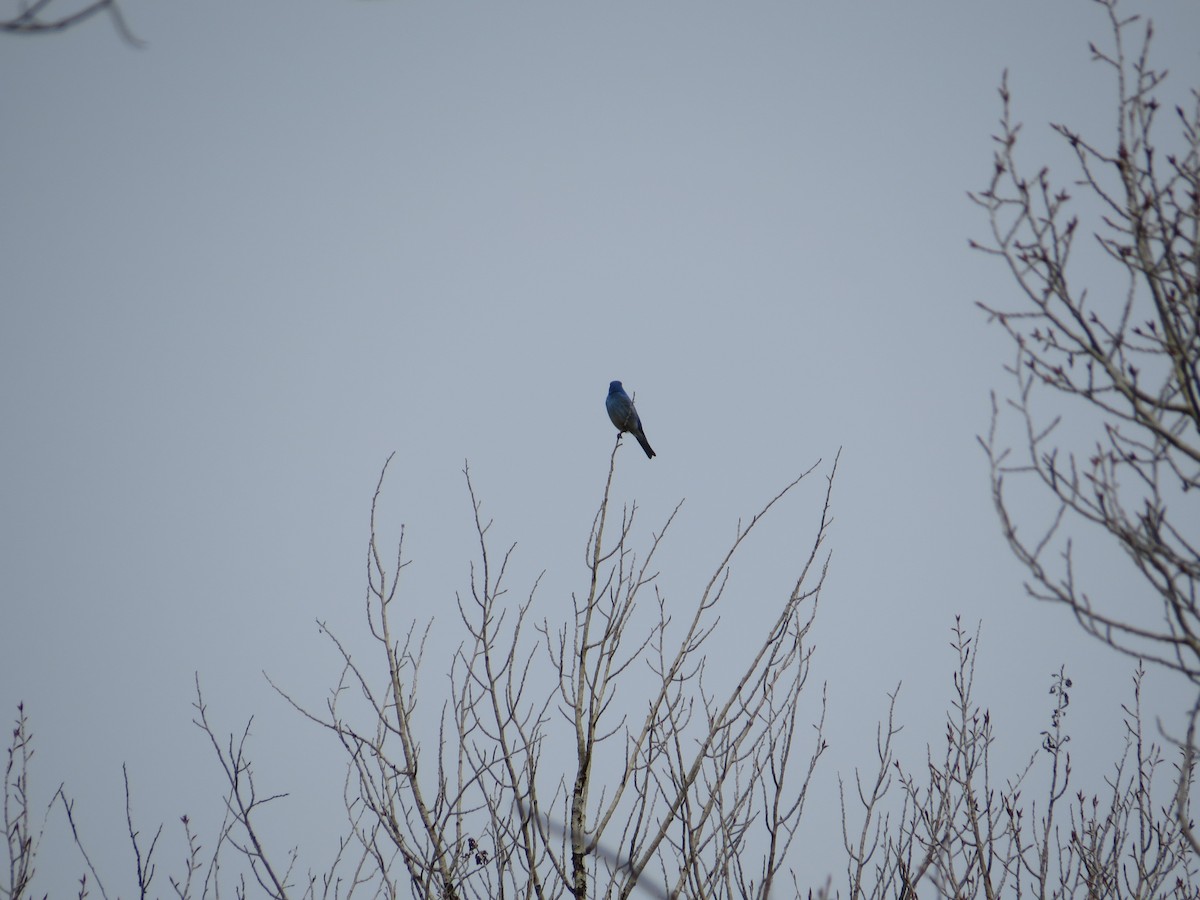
<point x="33" y="19"/>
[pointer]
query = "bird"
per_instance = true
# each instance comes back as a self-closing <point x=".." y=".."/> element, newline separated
<point x="624" y="416"/>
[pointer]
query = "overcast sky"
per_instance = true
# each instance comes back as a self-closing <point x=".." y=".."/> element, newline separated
<point x="243" y="264"/>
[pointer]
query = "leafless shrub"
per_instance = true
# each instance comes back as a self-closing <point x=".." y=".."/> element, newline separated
<point x="962" y="833"/>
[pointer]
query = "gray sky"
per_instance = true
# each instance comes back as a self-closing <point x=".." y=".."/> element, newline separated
<point x="245" y="263"/>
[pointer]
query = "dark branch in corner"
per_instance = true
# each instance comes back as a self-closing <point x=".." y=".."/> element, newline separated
<point x="30" y="20"/>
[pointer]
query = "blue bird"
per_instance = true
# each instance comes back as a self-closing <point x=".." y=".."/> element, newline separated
<point x="624" y="416"/>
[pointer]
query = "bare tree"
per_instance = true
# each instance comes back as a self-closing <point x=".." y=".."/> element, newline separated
<point x="47" y="17"/>
<point x="1120" y="357"/>
<point x="588" y="757"/>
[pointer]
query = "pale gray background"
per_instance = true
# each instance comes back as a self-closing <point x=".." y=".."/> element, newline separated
<point x="243" y="264"/>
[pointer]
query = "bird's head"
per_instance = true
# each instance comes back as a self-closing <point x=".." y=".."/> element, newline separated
<point x="614" y="387"/>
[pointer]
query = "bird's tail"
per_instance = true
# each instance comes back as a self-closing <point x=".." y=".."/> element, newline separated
<point x="641" y="439"/>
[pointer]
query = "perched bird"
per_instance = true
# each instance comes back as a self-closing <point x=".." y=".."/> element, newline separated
<point x="624" y="416"/>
